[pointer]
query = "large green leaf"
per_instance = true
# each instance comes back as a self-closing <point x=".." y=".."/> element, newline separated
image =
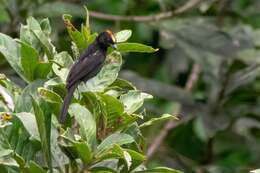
<point x="86" y="122"/>
<point x="23" y="102"/>
<point x="34" y="167"/>
<point x="29" y="122"/>
<point x="29" y="60"/>
<point x="114" y="109"/>
<point x="42" y="37"/>
<point x="33" y="34"/>
<point x="135" y="47"/>
<point x="106" y="76"/>
<point x="133" y="100"/>
<point x="61" y="65"/>
<point x="11" y="51"/>
<point x="44" y="132"/>
<point x="116" y="138"/>
<point x="84" y="151"/>
<point x="16" y="139"/>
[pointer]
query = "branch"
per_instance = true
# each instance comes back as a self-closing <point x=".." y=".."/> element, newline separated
<point x="155" y="144"/>
<point x="155" y="87"/>
<point x="164" y="15"/>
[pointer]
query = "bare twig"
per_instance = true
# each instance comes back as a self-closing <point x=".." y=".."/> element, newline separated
<point x="155" y="144"/>
<point x="163" y="15"/>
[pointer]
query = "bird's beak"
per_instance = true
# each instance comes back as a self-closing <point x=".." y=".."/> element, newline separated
<point x="114" y="46"/>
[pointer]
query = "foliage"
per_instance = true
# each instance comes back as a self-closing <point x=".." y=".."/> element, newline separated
<point x="96" y="137"/>
<point x="220" y="130"/>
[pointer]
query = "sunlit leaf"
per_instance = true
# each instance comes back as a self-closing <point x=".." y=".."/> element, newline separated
<point x="106" y="76"/>
<point x="117" y="138"/>
<point x="123" y="35"/>
<point x="49" y="95"/>
<point x="86" y="122"/>
<point x="135" y="47"/>
<point x="133" y="100"/>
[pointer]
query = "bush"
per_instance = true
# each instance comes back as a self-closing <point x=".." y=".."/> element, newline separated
<point x="102" y="133"/>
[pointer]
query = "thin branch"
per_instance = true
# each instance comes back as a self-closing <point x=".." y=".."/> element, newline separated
<point x="158" y="140"/>
<point x="155" y="87"/>
<point x="163" y="15"/>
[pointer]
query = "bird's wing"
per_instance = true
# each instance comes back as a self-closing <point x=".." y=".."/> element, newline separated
<point x="84" y="67"/>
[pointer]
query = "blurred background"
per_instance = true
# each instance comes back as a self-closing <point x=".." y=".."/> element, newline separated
<point x="206" y="72"/>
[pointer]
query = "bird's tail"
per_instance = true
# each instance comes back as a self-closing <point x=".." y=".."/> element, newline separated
<point x="66" y="102"/>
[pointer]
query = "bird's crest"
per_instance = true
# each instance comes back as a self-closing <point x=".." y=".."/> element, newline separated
<point x="111" y="34"/>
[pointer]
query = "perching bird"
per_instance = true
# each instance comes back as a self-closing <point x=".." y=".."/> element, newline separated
<point x="88" y="65"/>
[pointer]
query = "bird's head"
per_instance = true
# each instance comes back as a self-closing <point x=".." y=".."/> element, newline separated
<point x="106" y="39"/>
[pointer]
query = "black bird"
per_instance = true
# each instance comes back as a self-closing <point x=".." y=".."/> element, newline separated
<point x="88" y="65"/>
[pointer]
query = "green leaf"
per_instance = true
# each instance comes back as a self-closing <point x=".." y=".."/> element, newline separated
<point x="49" y="95"/>
<point x="133" y="100"/>
<point x="86" y="122"/>
<point x="44" y="132"/>
<point x="117" y="138"/>
<point x="159" y="170"/>
<point x="15" y="137"/>
<point x="42" y="70"/>
<point x="24" y="102"/>
<point x="29" y="122"/>
<point x="40" y="35"/>
<point x="135" y="47"/>
<point x="137" y="158"/>
<point x="123" y="35"/>
<point x="77" y="37"/>
<point x="121" y="84"/>
<point x="29" y="60"/>
<point x="83" y="151"/>
<point x="11" y="51"/>
<point x="63" y="62"/>
<point x="34" y="167"/>
<point x="45" y="26"/>
<point x="33" y="35"/>
<point x="106" y="76"/>
<point x="152" y="121"/>
<point x="114" y="109"/>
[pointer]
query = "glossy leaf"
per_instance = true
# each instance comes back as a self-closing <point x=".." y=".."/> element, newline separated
<point x="116" y="138"/>
<point x="135" y="47"/>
